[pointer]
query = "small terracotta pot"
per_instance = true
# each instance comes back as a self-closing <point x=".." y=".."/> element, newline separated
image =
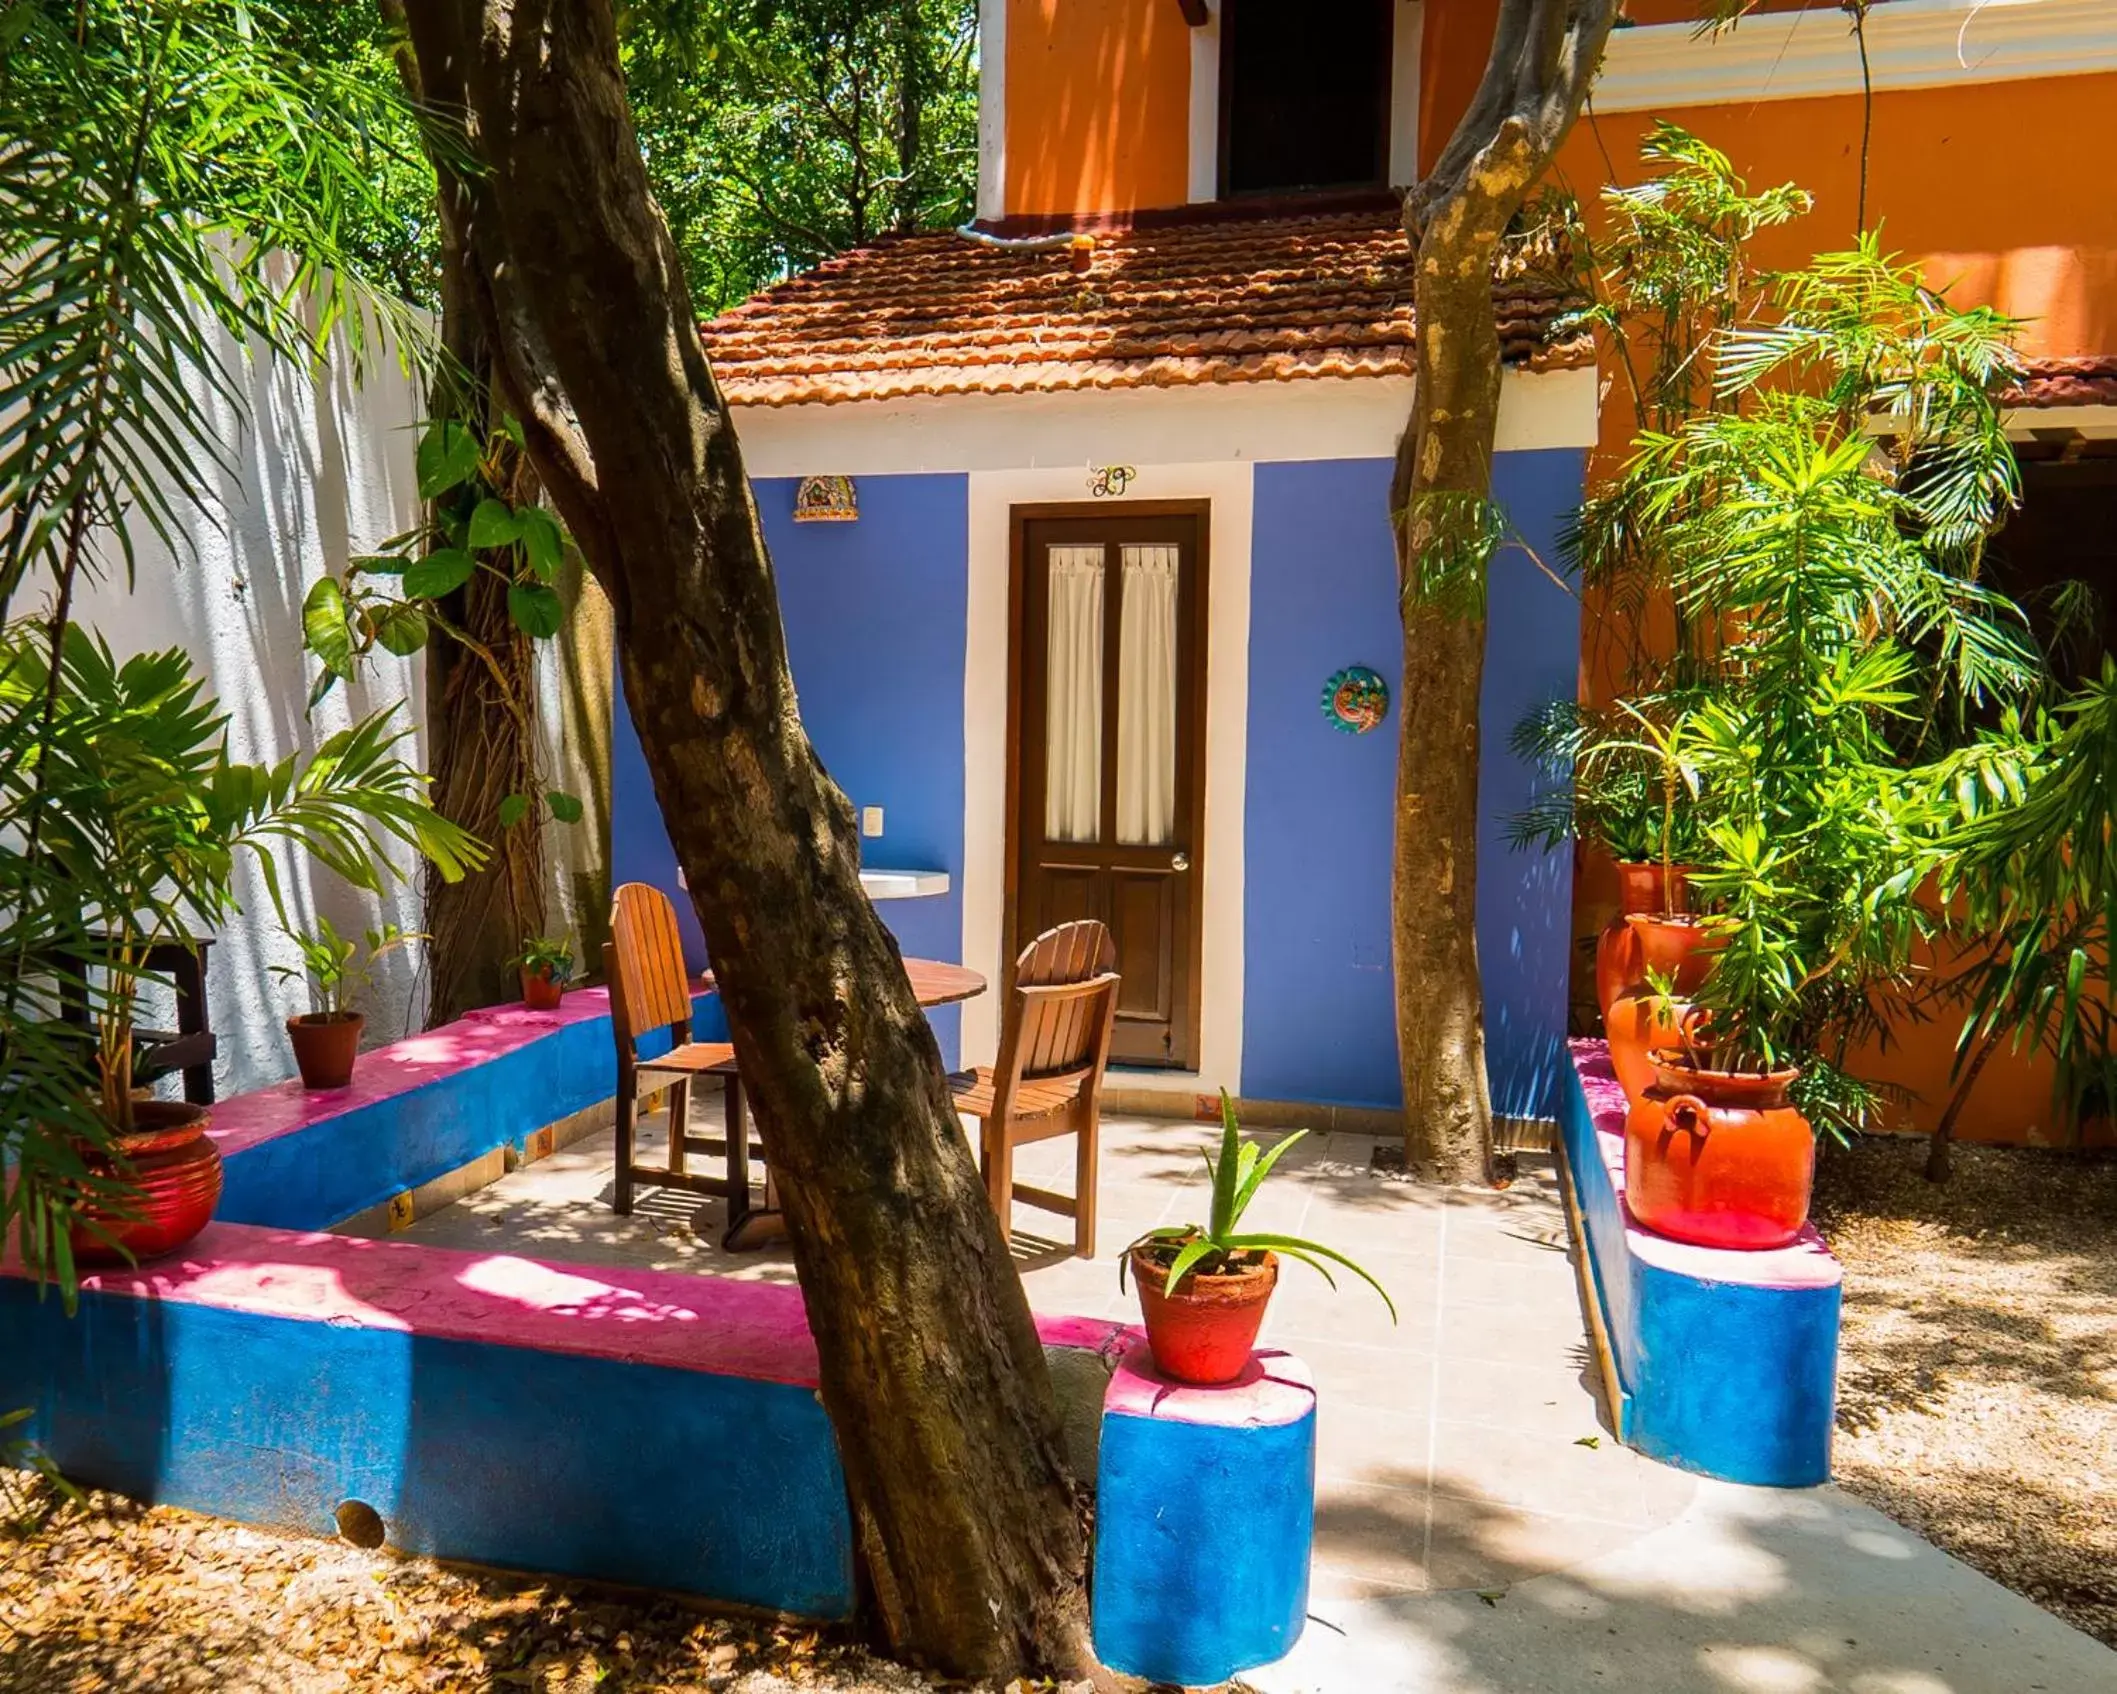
<point x="1643" y="888"/>
<point x="325" y="1046"/>
<point x="1642" y="1022"/>
<point x="174" y="1172"/>
<point x="1205" y="1331"/>
<point x="1719" y="1158"/>
<point x="541" y="991"/>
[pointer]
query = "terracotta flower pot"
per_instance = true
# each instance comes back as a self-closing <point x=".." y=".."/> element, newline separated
<point x="541" y="991"/>
<point x="1719" y="1158"/>
<point x="1643" y="888"/>
<point x="1204" y="1332"/>
<point x="174" y="1172"/>
<point x="1642" y="1022"/>
<point x="325" y="1046"/>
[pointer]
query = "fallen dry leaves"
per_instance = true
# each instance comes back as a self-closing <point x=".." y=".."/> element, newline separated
<point x="105" y="1596"/>
<point x="1977" y="1391"/>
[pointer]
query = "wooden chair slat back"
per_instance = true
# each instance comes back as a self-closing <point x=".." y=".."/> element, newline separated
<point x="1059" y="1033"/>
<point x="652" y="990"/>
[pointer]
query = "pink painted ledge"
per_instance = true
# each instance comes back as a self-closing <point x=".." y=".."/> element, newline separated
<point x="1807" y="1263"/>
<point x="1275" y="1388"/>
<point x="713" y="1324"/>
<point x="400" y="1068"/>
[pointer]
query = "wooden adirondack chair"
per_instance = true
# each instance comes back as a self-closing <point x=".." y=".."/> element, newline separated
<point x="644" y="964"/>
<point x="1054" y="1044"/>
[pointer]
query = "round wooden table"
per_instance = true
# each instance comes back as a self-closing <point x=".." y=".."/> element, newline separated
<point x="940" y="984"/>
<point x="936" y="983"/>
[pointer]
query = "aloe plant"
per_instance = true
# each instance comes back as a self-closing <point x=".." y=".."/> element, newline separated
<point x="1212" y="1247"/>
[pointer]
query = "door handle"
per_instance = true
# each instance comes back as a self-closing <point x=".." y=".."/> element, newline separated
<point x="1179" y="861"/>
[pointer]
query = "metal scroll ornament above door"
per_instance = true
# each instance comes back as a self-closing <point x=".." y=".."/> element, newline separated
<point x="1356" y="699"/>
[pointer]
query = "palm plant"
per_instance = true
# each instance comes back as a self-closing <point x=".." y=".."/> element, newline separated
<point x="1855" y="639"/>
<point x="2027" y="873"/>
<point x="176" y="187"/>
<point x="332" y="966"/>
<point x="144" y="817"/>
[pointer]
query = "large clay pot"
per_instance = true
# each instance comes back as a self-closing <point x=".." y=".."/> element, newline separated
<point x="1204" y="1332"/>
<point x="174" y="1172"/>
<point x="541" y="990"/>
<point x="325" y="1046"/>
<point x="1642" y="1021"/>
<point x="1643" y="887"/>
<point x="1719" y="1158"/>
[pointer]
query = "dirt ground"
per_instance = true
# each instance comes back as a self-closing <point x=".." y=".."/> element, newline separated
<point x="107" y="1597"/>
<point x="1977" y="1393"/>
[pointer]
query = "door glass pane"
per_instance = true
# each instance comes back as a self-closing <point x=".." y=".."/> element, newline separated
<point x="1146" y="698"/>
<point x="1073" y="705"/>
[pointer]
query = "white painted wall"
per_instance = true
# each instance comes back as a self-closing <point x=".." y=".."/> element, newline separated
<point x="323" y="471"/>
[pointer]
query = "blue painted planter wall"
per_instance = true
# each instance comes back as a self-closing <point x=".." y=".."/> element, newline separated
<point x="1169" y="1490"/>
<point x="1721" y="1376"/>
<point x="1318" y="1018"/>
<point x="319" y="1175"/>
<point x="877" y="619"/>
<point x="498" y="1455"/>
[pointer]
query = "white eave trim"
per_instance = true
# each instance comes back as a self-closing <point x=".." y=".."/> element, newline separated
<point x="1910" y="44"/>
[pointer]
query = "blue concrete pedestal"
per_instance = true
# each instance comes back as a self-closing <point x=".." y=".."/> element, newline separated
<point x="1205" y="1512"/>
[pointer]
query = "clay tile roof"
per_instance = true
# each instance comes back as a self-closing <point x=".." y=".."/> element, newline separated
<point x="1226" y="299"/>
<point x="2088" y="381"/>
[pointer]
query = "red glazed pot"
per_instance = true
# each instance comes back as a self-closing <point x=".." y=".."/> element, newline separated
<point x="1642" y="1022"/>
<point x="1642" y="888"/>
<point x="1719" y="1158"/>
<point x="174" y="1172"/>
<point x="1205" y="1331"/>
<point x="325" y="1046"/>
<point x="541" y="991"/>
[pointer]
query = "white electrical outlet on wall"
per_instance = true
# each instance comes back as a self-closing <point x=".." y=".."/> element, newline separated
<point x="870" y="820"/>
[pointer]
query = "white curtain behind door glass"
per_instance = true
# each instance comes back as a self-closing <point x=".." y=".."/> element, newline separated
<point x="1146" y="698"/>
<point x="1073" y="697"/>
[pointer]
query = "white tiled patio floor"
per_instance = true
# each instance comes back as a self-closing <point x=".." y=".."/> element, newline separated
<point x="1463" y="1447"/>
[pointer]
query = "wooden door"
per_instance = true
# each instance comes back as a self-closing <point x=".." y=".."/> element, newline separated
<point x="1108" y="767"/>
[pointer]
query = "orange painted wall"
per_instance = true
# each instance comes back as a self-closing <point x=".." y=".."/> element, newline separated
<point x="1098" y="105"/>
<point x="1986" y="187"/>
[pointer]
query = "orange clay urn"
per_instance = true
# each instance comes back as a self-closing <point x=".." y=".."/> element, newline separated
<point x="1644" y="887"/>
<point x="1719" y="1158"/>
<point x="1641" y="1021"/>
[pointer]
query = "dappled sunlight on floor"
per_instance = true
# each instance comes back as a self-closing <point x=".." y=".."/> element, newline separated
<point x="1462" y="1446"/>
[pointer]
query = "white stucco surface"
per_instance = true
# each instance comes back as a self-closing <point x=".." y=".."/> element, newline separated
<point x="323" y="471"/>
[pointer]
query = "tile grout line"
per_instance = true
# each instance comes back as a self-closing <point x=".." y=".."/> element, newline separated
<point x="1433" y="1399"/>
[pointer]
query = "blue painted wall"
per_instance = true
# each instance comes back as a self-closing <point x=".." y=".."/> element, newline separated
<point x="1722" y="1377"/>
<point x="498" y="1455"/>
<point x="877" y="620"/>
<point x="1169" y="1488"/>
<point x="1318" y="1022"/>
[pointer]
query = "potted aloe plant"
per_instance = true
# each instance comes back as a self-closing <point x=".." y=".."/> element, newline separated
<point x="546" y="966"/>
<point x="1203" y="1288"/>
<point x="119" y="772"/>
<point x="327" y="1038"/>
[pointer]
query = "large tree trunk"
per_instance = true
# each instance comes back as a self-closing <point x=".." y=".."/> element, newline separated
<point x="1543" y="54"/>
<point x="931" y="1368"/>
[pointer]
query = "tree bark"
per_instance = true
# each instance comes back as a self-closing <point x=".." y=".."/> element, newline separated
<point x="1544" y="52"/>
<point x="931" y="1368"/>
<point x="482" y="730"/>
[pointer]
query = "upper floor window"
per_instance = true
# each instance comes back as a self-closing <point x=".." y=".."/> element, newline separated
<point x="1304" y="94"/>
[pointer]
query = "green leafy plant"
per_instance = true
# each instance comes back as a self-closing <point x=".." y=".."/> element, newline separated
<point x="2026" y="873"/>
<point x="122" y="821"/>
<point x="1220" y="1244"/>
<point x="547" y="956"/>
<point x="334" y="966"/>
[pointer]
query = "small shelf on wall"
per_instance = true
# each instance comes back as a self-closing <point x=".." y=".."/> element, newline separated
<point x="903" y="885"/>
